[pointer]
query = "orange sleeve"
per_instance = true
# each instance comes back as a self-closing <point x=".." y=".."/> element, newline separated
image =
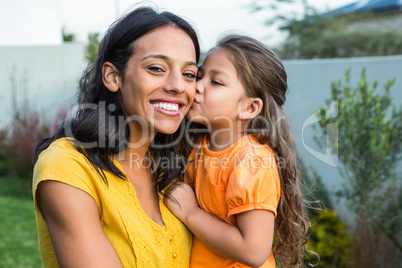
<point x="253" y="184"/>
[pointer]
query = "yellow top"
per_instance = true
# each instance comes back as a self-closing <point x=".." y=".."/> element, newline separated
<point x="137" y="240"/>
<point x="242" y="177"/>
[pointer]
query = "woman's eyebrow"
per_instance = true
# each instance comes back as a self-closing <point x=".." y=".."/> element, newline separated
<point x="157" y="56"/>
<point x="166" y="58"/>
<point x="192" y="63"/>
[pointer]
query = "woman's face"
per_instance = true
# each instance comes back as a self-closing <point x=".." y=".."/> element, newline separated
<point x="159" y="82"/>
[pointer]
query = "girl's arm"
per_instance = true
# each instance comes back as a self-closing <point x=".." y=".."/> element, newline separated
<point x="74" y="226"/>
<point x="249" y="242"/>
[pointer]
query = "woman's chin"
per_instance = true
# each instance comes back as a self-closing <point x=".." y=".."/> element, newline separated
<point x="198" y="119"/>
<point x="193" y="116"/>
<point x="167" y="128"/>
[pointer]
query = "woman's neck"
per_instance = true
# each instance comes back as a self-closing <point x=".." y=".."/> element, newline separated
<point x="137" y="147"/>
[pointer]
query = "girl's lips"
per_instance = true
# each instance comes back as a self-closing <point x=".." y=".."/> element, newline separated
<point x="196" y="101"/>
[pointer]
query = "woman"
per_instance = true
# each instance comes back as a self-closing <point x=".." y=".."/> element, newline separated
<point x="98" y="183"/>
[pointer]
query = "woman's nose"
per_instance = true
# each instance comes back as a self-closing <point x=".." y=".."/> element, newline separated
<point x="175" y="83"/>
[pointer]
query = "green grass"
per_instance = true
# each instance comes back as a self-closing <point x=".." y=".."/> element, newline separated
<point x="18" y="235"/>
<point x="15" y="187"/>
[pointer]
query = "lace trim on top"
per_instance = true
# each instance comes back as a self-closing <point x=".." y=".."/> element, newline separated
<point x="165" y="241"/>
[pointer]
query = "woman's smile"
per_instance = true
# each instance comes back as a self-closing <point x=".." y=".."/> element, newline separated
<point x="169" y="107"/>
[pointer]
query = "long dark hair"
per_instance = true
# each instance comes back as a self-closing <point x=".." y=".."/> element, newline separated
<point x="95" y="127"/>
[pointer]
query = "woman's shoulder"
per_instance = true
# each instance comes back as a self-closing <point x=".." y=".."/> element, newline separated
<point x="63" y="146"/>
<point x="63" y="162"/>
<point x="63" y="155"/>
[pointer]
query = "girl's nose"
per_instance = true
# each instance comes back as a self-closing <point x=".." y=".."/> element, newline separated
<point x="199" y="88"/>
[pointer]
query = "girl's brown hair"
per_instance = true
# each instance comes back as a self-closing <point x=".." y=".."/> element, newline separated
<point x="263" y="76"/>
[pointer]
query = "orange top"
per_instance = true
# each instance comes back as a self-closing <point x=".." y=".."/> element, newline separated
<point x="242" y="177"/>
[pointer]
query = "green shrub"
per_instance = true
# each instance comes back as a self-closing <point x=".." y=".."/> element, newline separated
<point x="4" y="161"/>
<point x="369" y="146"/>
<point x="329" y="239"/>
<point x="11" y="186"/>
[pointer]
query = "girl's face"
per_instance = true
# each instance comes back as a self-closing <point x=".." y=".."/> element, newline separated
<point x="219" y="92"/>
<point x="159" y="83"/>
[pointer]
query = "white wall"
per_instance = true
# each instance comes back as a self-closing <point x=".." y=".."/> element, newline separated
<point x="30" y="22"/>
<point x="45" y="76"/>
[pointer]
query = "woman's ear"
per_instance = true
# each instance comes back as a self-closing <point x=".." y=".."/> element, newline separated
<point x="111" y="77"/>
<point x="251" y="108"/>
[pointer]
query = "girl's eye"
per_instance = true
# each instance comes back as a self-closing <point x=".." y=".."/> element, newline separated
<point x="155" y="69"/>
<point x="198" y="77"/>
<point x="216" y="82"/>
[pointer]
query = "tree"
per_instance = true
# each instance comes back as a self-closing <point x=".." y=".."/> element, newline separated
<point x="314" y="36"/>
<point x="67" y="37"/>
<point x="260" y="5"/>
<point x="331" y="37"/>
<point x="369" y="150"/>
<point x="91" y="48"/>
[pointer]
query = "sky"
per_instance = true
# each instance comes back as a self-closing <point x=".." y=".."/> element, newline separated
<point x="38" y="22"/>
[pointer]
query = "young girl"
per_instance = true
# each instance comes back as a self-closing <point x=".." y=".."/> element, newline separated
<point x="244" y="170"/>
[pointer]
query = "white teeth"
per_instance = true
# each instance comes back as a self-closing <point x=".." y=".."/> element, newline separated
<point x="166" y="106"/>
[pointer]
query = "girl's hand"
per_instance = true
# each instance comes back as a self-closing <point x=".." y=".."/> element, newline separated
<point x="249" y="242"/>
<point x="183" y="202"/>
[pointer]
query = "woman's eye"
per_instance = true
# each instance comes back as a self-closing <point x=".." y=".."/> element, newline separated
<point x="198" y="77"/>
<point x="155" y="69"/>
<point x="190" y="75"/>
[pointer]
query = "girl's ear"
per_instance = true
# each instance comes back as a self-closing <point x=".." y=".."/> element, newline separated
<point x="111" y="77"/>
<point x="251" y="108"/>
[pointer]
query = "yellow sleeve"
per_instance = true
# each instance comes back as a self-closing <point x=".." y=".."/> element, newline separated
<point x="253" y="184"/>
<point x="62" y="162"/>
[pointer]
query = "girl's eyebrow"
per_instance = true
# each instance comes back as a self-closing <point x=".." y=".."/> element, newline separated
<point x="166" y="58"/>
<point x="215" y="71"/>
